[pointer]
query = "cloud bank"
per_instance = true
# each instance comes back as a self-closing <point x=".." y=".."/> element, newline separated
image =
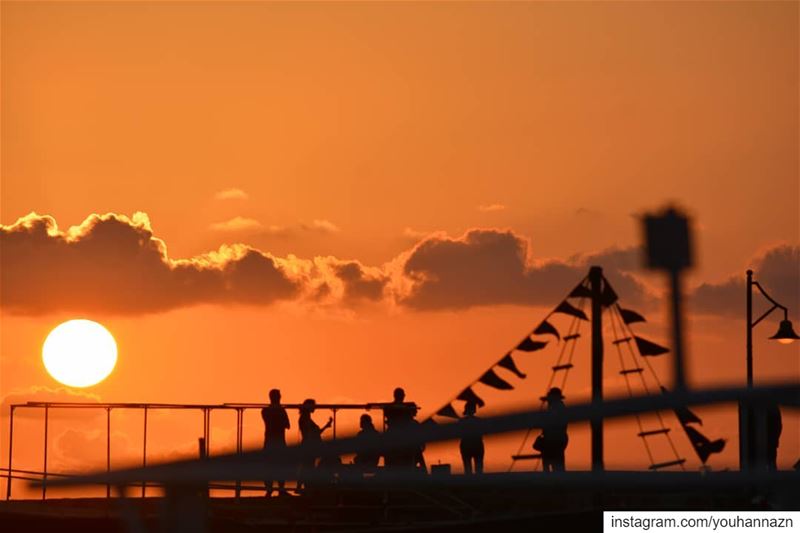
<point x="115" y="264"/>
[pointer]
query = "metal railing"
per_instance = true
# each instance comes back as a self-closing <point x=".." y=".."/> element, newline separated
<point x="205" y="441"/>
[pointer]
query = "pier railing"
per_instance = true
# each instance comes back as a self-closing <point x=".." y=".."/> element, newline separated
<point x="204" y="442"/>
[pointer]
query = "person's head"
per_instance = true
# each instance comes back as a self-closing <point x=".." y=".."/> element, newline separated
<point x="365" y="422"/>
<point x="399" y="394"/>
<point x="553" y="396"/>
<point x="470" y="408"/>
<point x="275" y="396"/>
<point x="308" y="406"/>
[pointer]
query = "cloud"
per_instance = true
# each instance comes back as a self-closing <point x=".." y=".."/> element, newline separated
<point x="777" y="270"/>
<point x="45" y="394"/>
<point x="112" y="263"/>
<point x="489" y="208"/>
<point x="237" y="224"/>
<point x="231" y="194"/>
<point x="361" y="283"/>
<point x="490" y="267"/>
<point x="321" y="225"/>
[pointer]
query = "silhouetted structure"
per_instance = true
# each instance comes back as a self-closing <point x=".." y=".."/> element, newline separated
<point x="471" y="447"/>
<point x="554" y="436"/>
<point x="367" y="460"/>
<point x="310" y="433"/>
<point x="276" y="422"/>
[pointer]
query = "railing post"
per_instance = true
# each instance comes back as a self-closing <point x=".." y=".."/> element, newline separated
<point x="108" y="448"/>
<point x="144" y="452"/>
<point x="238" y="448"/>
<point x="334" y="423"/>
<point x="44" y="472"/>
<point x="10" y="450"/>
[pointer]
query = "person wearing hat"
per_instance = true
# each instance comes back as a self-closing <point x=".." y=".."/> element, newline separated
<point x="554" y="436"/>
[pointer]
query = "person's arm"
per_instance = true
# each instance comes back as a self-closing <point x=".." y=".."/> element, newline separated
<point x="327" y="424"/>
<point x="286" y="423"/>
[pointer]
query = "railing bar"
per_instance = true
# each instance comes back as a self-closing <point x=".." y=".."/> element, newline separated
<point x="108" y="448"/>
<point x="10" y="450"/>
<point x="144" y="452"/>
<point x="44" y="475"/>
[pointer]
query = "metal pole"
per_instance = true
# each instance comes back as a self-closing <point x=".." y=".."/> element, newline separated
<point x="10" y="449"/>
<point x="334" y="424"/>
<point x="238" y="447"/>
<point x="596" y="281"/>
<point x="108" y="448"/>
<point x="749" y="328"/>
<point x="745" y="419"/>
<point x="144" y="451"/>
<point x="679" y="373"/>
<point x="44" y="473"/>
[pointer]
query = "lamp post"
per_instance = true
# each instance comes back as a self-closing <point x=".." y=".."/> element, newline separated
<point x="784" y="335"/>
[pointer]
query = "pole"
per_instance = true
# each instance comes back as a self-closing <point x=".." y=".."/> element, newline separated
<point x="144" y="451"/>
<point x="596" y="282"/>
<point x="10" y="449"/>
<point x="44" y="473"/>
<point x="679" y="373"/>
<point x="108" y="448"/>
<point x="749" y="329"/>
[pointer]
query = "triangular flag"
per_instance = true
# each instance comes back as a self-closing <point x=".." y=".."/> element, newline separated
<point x="581" y="291"/>
<point x="629" y="317"/>
<point x="528" y="345"/>
<point x="649" y="348"/>
<point x="546" y="328"/>
<point x="447" y="411"/>
<point x="609" y="296"/>
<point x="685" y="416"/>
<point x="508" y="363"/>
<point x="568" y="309"/>
<point x="702" y="445"/>
<point x="493" y="380"/>
<point x="469" y="395"/>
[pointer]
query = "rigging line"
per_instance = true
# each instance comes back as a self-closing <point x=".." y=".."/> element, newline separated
<point x="551" y="313"/>
<point x="573" y="328"/>
<point x="628" y="386"/>
<point x="658" y="414"/>
<point x="581" y="305"/>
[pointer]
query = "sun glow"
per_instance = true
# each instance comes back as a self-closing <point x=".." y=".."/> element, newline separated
<point x="79" y="353"/>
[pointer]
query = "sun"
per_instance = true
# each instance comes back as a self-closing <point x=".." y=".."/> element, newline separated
<point x="79" y="353"/>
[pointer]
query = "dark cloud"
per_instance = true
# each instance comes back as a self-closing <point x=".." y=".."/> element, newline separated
<point x="488" y="267"/>
<point x="358" y="284"/>
<point x="114" y="264"/>
<point x="777" y="270"/>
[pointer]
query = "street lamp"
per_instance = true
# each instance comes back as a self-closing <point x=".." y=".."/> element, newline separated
<point x="784" y="335"/>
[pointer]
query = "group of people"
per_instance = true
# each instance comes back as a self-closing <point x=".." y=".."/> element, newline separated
<point x="399" y="415"/>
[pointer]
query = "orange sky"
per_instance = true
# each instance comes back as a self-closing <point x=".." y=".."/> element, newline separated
<point x="356" y="131"/>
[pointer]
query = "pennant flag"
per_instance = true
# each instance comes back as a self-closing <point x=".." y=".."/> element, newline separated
<point x="568" y="309"/>
<point x="685" y="416"/>
<point x="581" y="291"/>
<point x="507" y="362"/>
<point x="629" y="317"/>
<point x="609" y="296"/>
<point x="493" y="380"/>
<point x="447" y="411"/>
<point x="702" y="445"/>
<point x="546" y="328"/>
<point x="649" y="348"/>
<point x="469" y="395"/>
<point x="528" y="345"/>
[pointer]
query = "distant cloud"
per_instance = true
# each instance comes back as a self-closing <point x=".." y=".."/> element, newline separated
<point x="777" y="270"/>
<point x="321" y="225"/>
<point x="489" y="208"/>
<point x="231" y="194"/>
<point x="490" y="267"/>
<point x="237" y="224"/>
<point x="415" y="235"/>
<point x="45" y="394"/>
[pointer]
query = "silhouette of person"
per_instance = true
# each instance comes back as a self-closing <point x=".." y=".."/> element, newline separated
<point x="774" y="428"/>
<point x="471" y="447"/>
<point x="369" y="460"/>
<point x="400" y="414"/>
<point x="554" y="436"/>
<point x="310" y="433"/>
<point x="276" y="422"/>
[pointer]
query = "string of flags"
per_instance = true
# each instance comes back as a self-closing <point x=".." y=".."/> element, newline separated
<point x="703" y="446"/>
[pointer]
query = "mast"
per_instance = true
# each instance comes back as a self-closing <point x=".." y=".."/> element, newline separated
<point x="596" y="282"/>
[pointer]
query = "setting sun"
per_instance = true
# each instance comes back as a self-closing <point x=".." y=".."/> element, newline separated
<point x="79" y="353"/>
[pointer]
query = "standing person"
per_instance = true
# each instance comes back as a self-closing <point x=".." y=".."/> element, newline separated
<point x="471" y="447"/>
<point x="554" y="436"/>
<point x="276" y="422"/>
<point x="369" y="460"/>
<point x="400" y="414"/>
<point x="310" y="433"/>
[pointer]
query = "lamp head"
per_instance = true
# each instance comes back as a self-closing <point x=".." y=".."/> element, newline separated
<point x="785" y="334"/>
